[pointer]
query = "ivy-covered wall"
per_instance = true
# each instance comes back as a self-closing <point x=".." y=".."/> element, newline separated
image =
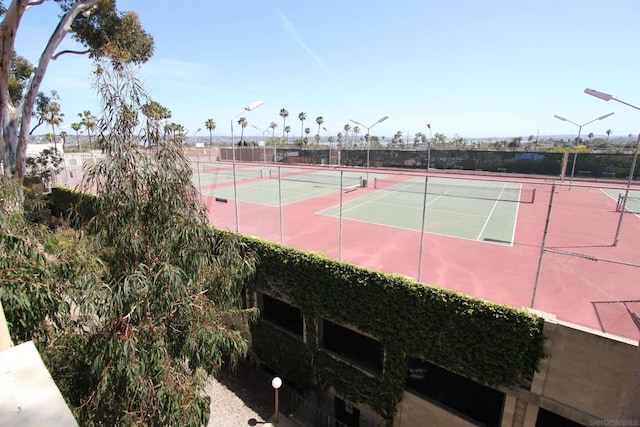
<point x="491" y="343"/>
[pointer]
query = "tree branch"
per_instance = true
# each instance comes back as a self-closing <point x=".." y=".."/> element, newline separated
<point x="35" y="3"/>
<point x="75" y="52"/>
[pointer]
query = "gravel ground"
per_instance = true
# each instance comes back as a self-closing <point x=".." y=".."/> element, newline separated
<point x="244" y="397"/>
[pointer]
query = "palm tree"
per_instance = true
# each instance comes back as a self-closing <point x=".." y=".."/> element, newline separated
<point x="210" y="125"/>
<point x="347" y="128"/>
<point x="319" y="121"/>
<point x="306" y="133"/>
<point x="76" y="127"/>
<point x="273" y="126"/>
<point x="63" y="137"/>
<point x="54" y="117"/>
<point x="302" y="116"/>
<point x="242" y="121"/>
<point x="284" y="113"/>
<point x="89" y="123"/>
<point x="356" y="131"/>
<point x="286" y="130"/>
<point x="155" y="113"/>
<point x="609" y="132"/>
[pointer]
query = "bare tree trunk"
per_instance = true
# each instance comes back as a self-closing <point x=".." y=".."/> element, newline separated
<point x="15" y="124"/>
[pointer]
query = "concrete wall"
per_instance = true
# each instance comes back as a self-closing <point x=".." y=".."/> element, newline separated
<point x="588" y="375"/>
<point x="415" y="411"/>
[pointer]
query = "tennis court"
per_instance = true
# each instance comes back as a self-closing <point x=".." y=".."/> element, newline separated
<point x="632" y="202"/>
<point x="280" y="187"/>
<point x="477" y="210"/>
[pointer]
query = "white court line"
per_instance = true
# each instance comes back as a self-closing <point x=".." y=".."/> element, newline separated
<point x="495" y="205"/>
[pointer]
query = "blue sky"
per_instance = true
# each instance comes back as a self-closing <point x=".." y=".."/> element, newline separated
<point x="469" y="68"/>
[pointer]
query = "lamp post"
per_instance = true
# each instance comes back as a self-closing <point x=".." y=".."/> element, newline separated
<point x="276" y="383"/>
<point x="429" y="148"/>
<point x="575" y="154"/>
<point x="264" y="144"/>
<point x="325" y="129"/>
<point x="607" y="97"/>
<point x="249" y="107"/>
<point x="367" y="137"/>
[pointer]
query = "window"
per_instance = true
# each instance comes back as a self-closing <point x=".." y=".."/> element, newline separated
<point x="361" y="350"/>
<point x="469" y="398"/>
<point x="282" y="314"/>
<point x="549" y="419"/>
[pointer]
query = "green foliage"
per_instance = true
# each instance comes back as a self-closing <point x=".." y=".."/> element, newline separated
<point x="44" y="166"/>
<point x="20" y="71"/>
<point x="168" y="310"/>
<point x="490" y="343"/>
<point x="112" y="34"/>
<point x="41" y="273"/>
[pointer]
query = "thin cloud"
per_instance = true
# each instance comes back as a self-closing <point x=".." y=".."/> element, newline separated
<point x="293" y="32"/>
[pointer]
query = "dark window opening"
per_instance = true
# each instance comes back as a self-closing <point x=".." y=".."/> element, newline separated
<point x="361" y="350"/>
<point x="282" y="314"/>
<point x="464" y="396"/>
<point x="550" y="419"/>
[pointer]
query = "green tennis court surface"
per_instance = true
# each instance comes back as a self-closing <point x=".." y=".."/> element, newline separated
<point x="281" y="187"/>
<point x="476" y="210"/>
<point x="632" y="203"/>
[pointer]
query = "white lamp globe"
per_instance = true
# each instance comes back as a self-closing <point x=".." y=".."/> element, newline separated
<point x="276" y="382"/>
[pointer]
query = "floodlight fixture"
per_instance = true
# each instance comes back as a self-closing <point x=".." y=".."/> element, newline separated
<point x="368" y="128"/>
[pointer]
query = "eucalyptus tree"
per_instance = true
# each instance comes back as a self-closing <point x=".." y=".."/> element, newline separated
<point x="19" y="76"/>
<point x="76" y="127"/>
<point x="284" y="113"/>
<point x="168" y="310"/>
<point x="609" y="132"/>
<point x="97" y="25"/>
<point x="319" y="121"/>
<point x="41" y="107"/>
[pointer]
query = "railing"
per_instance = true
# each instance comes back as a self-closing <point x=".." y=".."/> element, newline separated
<point x="311" y="413"/>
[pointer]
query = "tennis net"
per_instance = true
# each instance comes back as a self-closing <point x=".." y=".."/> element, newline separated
<point x="464" y="191"/>
<point x="348" y="182"/>
<point x="240" y="173"/>
<point x="631" y="205"/>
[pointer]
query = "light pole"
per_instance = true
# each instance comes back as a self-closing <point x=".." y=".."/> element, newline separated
<point x="429" y="148"/>
<point x="607" y="97"/>
<point x="325" y="129"/>
<point x="249" y="107"/>
<point x="264" y="144"/>
<point x="276" y="383"/>
<point x="367" y="137"/>
<point x="575" y="154"/>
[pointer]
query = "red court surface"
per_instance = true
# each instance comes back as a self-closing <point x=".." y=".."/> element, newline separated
<point x="584" y="278"/>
